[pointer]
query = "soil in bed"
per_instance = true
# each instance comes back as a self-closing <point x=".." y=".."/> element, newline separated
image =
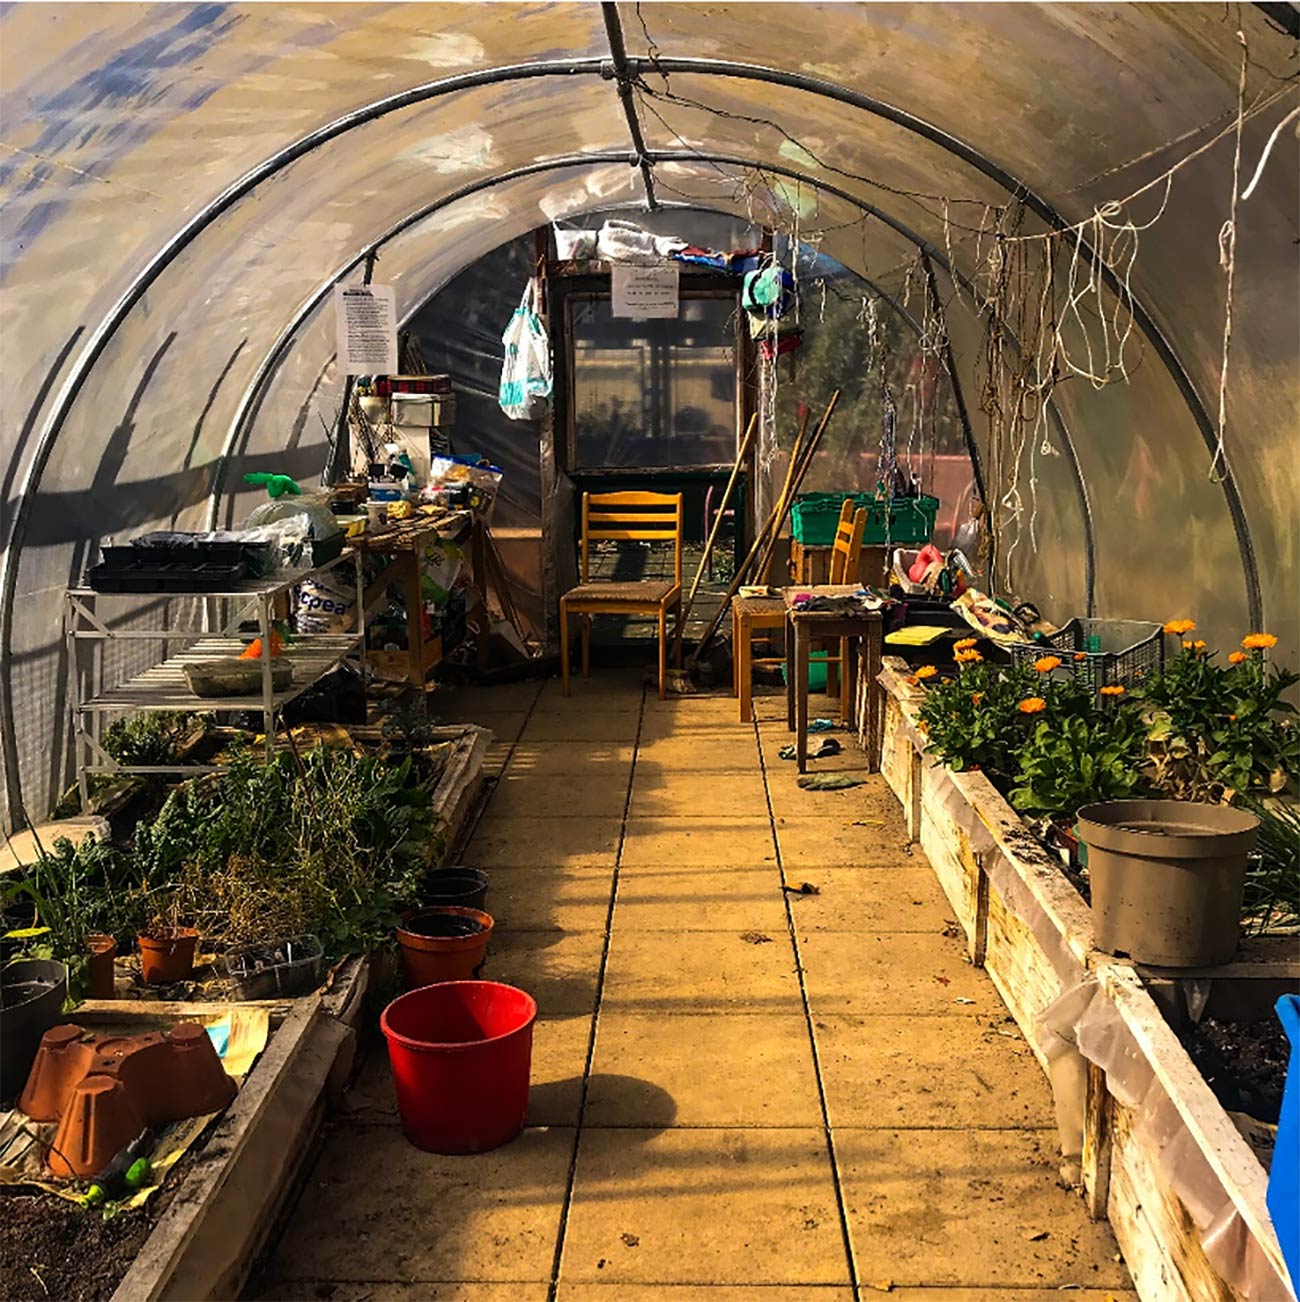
<point x="1244" y="1063"/>
<point x="51" y="1248"/>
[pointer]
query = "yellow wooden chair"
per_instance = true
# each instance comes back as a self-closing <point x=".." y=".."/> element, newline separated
<point x="846" y="557"/>
<point x="625" y="517"/>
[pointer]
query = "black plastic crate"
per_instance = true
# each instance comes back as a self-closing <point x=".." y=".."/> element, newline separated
<point x="1106" y="652"/>
<point x="149" y="577"/>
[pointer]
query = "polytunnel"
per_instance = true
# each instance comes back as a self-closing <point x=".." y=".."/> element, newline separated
<point x="183" y="185"/>
<point x="649" y="651"/>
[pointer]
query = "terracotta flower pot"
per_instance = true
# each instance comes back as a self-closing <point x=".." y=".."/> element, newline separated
<point x="103" y="950"/>
<point x="167" y="954"/>
<point x="443" y="944"/>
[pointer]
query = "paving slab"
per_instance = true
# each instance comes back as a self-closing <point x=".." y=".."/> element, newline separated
<point x="701" y="899"/>
<point x="906" y="973"/>
<point x="930" y="1207"/>
<point x="940" y="1072"/>
<point x="603" y="761"/>
<point x="375" y="1207"/>
<point x="559" y="969"/>
<point x="721" y="751"/>
<point x="698" y="843"/>
<point x="999" y="1294"/>
<point x="709" y="971"/>
<point x="872" y="803"/>
<point x="559" y="1057"/>
<point x="660" y="791"/>
<point x="535" y="795"/>
<point x="550" y="899"/>
<point x="582" y="721"/>
<point x="862" y="840"/>
<point x="703" y="1207"/>
<point x="712" y="1071"/>
<point x="552" y="842"/>
<point x="869" y="900"/>
<point x="502" y="696"/>
<point x="424" y="1291"/>
<point x="701" y="1293"/>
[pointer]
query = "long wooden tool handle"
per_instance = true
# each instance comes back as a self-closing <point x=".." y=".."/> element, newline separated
<point x="717" y="525"/>
<point x="800" y="461"/>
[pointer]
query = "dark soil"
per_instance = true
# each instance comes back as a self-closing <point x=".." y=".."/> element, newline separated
<point x="54" y="1249"/>
<point x="75" y="1254"/>
<point x="1244" y="1063"/>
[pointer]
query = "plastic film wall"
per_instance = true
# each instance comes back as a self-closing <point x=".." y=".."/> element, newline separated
<point x="183" y="184"/>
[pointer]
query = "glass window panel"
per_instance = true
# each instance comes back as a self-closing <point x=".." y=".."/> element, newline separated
<point x="654" y="393"/>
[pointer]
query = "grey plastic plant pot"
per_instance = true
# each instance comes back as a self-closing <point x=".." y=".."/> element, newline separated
<point x="32" y="993"/>
<point x="1167" y="878"/>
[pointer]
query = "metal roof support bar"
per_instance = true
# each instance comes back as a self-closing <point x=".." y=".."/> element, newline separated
<point x="620" y="72"/>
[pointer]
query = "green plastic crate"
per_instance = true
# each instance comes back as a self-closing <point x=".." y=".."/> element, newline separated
<point x="814" y="518"/>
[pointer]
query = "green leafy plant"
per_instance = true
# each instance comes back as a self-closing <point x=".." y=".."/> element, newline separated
<point x="973" y="720"/>
<point x="1078" y="759"/>
<point x="1218" y="729"/>
<point x="74" y="892"/>
<point x="153" y="736"/>
<point x="330" y="843"/>
<point x="1272" y="895"/>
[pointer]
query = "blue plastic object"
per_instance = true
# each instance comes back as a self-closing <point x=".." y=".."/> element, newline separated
<point x="1284" y="1174"/>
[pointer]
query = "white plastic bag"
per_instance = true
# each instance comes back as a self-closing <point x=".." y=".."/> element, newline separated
<point x="526" y="371"/>
<point x="621" y="241"/>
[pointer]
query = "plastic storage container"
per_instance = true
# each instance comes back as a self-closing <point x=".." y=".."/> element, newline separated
<point x="1284" y="1175"/>
<point x="287" y="967"/>
<point x="814" y="517"/>
<point x="461" y="1054"/>
<point x="1115" y="651"/>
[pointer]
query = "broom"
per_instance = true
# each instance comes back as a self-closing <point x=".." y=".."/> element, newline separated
<point x="679" y="681"/>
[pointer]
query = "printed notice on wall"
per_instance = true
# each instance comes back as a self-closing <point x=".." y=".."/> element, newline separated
<point x="367" y="329"/>
<point x="640" y="292"/>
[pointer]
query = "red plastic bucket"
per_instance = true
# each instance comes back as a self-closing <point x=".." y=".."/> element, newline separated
<point x="461" y="1053"/>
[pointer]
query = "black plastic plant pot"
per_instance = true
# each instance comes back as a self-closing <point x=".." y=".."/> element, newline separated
<point x="458" y="886"/>
<point x="32" y="993"/>
<point x="288" y="967"/>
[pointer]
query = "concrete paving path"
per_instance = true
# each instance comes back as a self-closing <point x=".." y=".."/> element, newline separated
<point x="738" y="1092"/>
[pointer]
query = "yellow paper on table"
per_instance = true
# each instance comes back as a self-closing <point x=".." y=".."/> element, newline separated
<point x="916" y="635"/>
<point x="23" y="1141"/>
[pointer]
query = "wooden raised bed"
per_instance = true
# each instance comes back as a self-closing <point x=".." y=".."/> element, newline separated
<point x="1160" y="1156"/>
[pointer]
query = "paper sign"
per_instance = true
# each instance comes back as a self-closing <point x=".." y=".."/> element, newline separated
<point x="367" y="329"/>
<point x="641" y="292"/>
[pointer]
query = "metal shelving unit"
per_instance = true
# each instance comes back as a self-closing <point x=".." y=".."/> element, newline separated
<point x="163" y="686"/>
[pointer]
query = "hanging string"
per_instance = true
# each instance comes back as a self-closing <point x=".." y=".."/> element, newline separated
<point x="1228" y="261"/>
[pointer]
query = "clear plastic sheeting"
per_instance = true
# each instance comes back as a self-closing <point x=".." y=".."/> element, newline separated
<point x="1088" y="1024"/>
<point x="181" y="183"/>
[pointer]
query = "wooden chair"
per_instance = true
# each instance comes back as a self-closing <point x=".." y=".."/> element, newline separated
<point x="846" y="556"/>
<point x="625" y="517"/>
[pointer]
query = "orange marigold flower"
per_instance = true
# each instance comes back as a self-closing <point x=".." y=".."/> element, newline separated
<point x="1045" y="664"/>
<point x="1232" y="718"/>
<point x="1259" y="641"/>
<point x="1113" y="690"/>
<point x="1187" y="644"/>
<point x="1237" y="657"/>
<point x="976" y="697"/>
<point x="1032" y="705"/>
<point x="927" y="671"/>
<point x="968" y="657"/>
<point x="965" y="644"/>
<point x="1198" y="645"/>
<point x="1080" y="655"/>
<point x="1180" y="626"/>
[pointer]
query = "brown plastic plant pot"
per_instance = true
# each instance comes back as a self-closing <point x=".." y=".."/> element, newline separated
<point x="104" y="1091"/>
<point x="167" y="954"/>
<point x="99" y="970"/>
<point x="1167" y="878"/>
<point x="443" y="944"/>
